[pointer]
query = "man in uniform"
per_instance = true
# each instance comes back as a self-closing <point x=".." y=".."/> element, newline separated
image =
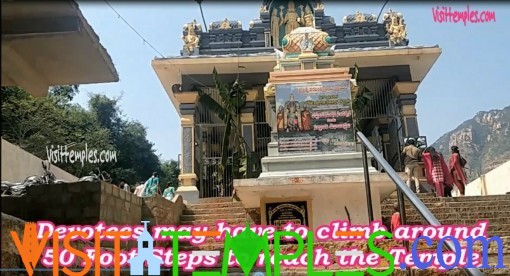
<point x="412" y="155"/>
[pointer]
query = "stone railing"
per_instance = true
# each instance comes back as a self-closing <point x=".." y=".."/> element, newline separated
<point x="160" y="211"/>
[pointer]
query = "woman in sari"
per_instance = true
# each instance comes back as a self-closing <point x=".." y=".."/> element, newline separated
<point x="151" y="185"/>
<point x="457" y="163"/>
<point x="139" y="189"/>
<point x="436" y="171"/>
<point x="169" y="192"/>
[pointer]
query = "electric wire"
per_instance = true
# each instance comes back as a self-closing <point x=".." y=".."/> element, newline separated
<point x="146" y="42"/>
<point x="382" y="8"/>
<point x="202" y="13"/>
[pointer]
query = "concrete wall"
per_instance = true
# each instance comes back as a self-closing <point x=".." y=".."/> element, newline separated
<point x="18" y="164"/>
<point x="69" y="203"/>
<point x="495" y="182"/>
<point x="88" y="203"/>
<point x="82" y="203"/>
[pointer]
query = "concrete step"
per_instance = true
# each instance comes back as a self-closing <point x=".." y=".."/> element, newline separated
<point x="218" y="205"/>
<point x="240" y="215"/>
<point x="456" y="199"/>
<point x="499" y="233"/>
<point x="494" y="218"/>
<point x="387" y="209"/>
<point x="205" y="211"/>
<point x="457" y="221"/>
<point x="215" y="200"/>
<point x="446" y="213"/>
<point x="471" y="204"/>
<point x="493" y="222"/>
<point x="476" y="203"/>
<point x="460" y="201"/>
<point x="424" y="200"/>
<point x="495" y="229"/>
<point x="429" y="205"/>
<point x="212" y="222"/>
<point x="478" y="198"/>
<point x="420" y="195"/>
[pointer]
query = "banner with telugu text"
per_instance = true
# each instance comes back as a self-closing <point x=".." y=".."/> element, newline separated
<point x="314" y="117"/>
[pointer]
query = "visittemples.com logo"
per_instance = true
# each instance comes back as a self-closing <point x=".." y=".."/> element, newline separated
<point x="245" y="247"/>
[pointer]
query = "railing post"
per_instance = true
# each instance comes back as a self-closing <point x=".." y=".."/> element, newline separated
<point x="403" y="221"/>
<point x="413" y="198"/>
<point x="367" y="183"/>
<point x="402" y="206"/>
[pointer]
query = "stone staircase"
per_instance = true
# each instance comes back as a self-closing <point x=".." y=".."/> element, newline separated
<point x="208" y="212"/>
<point x="458" y="210"/>
<point x="449" y="211"/>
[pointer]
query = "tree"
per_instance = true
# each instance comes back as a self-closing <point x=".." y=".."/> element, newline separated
<point x="35" y="124"/>
<point x="170" y="173"/>
<point x="360" y="99"/>
<point x="64" y="93"/>
<point x="136" y="157"/>
<point x="245" y="162"/>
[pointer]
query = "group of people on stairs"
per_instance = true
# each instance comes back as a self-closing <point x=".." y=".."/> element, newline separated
<point x="439" y="175"/>
<point x="150" y="188"/>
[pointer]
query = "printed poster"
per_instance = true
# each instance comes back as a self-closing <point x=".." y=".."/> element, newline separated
<point x="315" y="117"/>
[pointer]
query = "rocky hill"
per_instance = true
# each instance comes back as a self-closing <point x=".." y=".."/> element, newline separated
<point x="483" y="140"/>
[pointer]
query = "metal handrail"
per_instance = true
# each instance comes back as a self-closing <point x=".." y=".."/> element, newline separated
<point x="413" y="198"/>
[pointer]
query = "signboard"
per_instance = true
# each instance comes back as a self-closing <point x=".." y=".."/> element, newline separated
<point x="314" y="117"/>
<point x="279" y="214"/>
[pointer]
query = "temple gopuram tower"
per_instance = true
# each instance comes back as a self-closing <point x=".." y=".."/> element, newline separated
<point x="295" y="38"/>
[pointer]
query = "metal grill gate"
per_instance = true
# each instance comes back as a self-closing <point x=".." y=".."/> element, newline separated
<point x="209" y="132"/>
<point x="384" y="105"/>
<point x="262" y="129"/>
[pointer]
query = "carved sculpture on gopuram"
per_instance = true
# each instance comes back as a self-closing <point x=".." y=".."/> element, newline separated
<point x="263" y="9"/>
<point x="225" y="25"/>
<point x="307" y="17"/>
<point x="359" y="17"/>
<point x="395" y="28"/>
<point x="319" y="6"/>
<point x="306" y="44"/>
<point x="291" y="18"/>
<point x="275" y="28"/>
<point x="191" y="39"/>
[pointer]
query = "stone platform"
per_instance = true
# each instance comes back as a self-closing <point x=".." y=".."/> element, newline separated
<point x="332" y="184"/>
<point x="341" y="193"/>
<point x="313" y="164"/>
